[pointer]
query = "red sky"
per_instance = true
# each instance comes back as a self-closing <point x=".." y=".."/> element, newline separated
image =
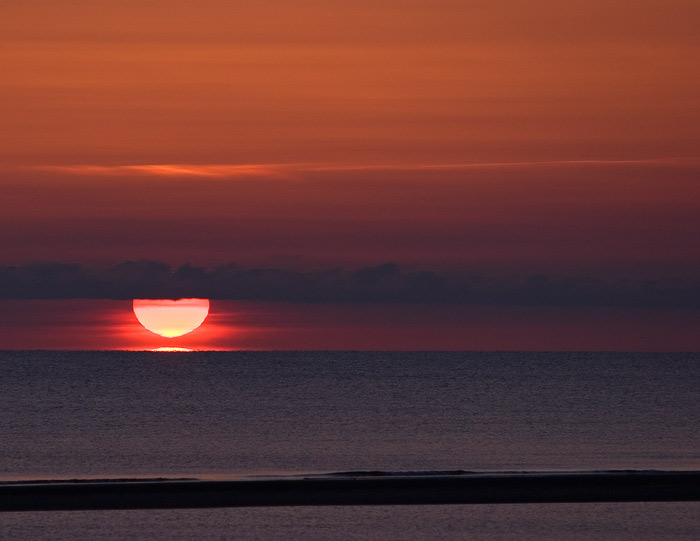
<point x="501" y="137"/>
<point x="237" y="325"/>
<point x="630" y="218"/>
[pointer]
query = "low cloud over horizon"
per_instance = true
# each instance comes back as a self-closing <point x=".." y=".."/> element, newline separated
<point x="388" y="282"/>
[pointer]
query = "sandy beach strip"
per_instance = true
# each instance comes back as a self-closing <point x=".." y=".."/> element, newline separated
<point x="346" y="489"/>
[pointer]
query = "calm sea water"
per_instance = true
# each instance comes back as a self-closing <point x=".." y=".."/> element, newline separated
<point x="226" y="414"/>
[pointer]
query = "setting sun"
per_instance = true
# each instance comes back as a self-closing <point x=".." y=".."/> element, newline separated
<point x="171" y="318"/>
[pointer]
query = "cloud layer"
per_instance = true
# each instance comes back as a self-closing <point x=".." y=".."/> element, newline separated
<point x="388" y="282"/>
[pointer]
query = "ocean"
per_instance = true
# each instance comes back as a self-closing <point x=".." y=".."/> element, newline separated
<point x="225" y="415"/>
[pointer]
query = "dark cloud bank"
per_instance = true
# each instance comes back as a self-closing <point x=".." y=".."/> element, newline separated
<point x="388" y="282"/>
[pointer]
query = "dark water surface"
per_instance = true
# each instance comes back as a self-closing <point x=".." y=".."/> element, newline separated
<point x="225" y="414"/>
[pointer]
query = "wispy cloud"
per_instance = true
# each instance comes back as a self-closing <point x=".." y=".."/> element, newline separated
<point x="172" y="170"/>
<point x="285" y="169"/>
<point x="502" y="165"/>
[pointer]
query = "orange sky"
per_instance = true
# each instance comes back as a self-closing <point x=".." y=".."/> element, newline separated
<point x="363" y="82"/>
<point x="503" y="136"/>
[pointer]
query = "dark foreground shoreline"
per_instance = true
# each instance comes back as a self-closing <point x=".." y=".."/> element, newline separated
<point x="347" y="489"/>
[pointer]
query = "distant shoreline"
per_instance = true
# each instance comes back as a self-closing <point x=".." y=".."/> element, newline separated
<point x="353" y="488"/>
